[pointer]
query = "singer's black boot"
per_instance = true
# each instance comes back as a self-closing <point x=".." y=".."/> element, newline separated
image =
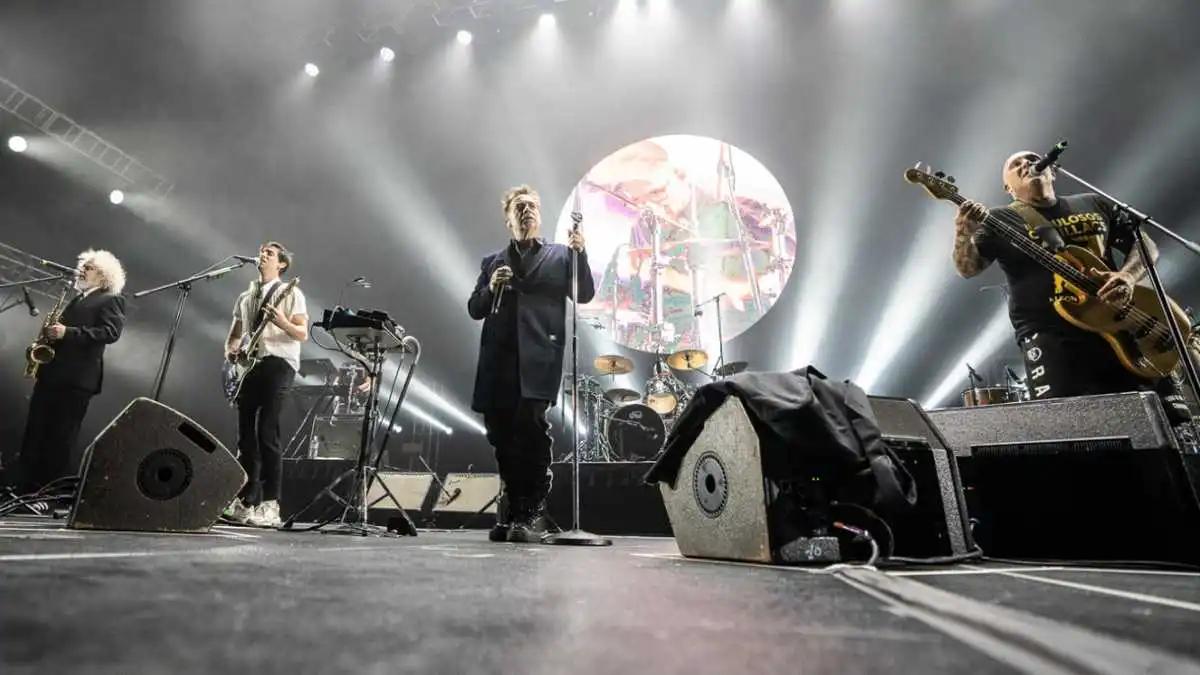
<point x="528" y="524"/>
<point x="503" y="519"/>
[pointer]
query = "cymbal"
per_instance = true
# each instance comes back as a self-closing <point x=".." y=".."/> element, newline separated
<point x="732" y="368"/>
<point x="613" y="364"/>
<point x="621" y="396"/>
<point x="688" y="359"/>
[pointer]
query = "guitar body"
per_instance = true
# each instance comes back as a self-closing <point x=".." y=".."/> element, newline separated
<point x="233" y="374"/>
<point x="1147" y="356"/>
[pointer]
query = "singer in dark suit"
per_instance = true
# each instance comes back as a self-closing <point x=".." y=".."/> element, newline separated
<point x="91" y="321"/>
<point x="521" y="298"/>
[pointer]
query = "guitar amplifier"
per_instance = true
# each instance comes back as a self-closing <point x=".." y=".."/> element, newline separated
<point x="1083" y="478"/>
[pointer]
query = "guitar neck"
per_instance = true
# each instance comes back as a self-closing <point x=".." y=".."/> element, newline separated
<point x="1024" y="243"/>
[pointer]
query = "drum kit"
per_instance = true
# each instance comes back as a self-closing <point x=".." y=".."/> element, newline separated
<point x="1013" y="390"/>
<point x="626" y="425"/>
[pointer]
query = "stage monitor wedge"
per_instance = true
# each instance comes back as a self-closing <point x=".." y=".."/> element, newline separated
<point x="152" y="469"/>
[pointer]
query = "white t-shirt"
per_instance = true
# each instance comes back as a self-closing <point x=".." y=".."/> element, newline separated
<point x="275" y="342"/>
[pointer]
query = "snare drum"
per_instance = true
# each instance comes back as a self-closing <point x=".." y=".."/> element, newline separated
<point x="635" y="433"/>
<point x="987" y="396"/>
<point x="661" y="394"/>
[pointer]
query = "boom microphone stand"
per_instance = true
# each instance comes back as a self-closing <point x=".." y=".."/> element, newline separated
<point x="576" y="537"/>
<point x="185" y="288"/>
<point x="720" y="333"/>
<point x="1139" y="220"/>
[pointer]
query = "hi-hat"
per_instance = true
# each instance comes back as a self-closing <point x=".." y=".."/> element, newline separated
<point x="732" y="368"/>
<point x="622" y="396"/>
<point x="688" y="359"/>
<point x="612" y="364"/>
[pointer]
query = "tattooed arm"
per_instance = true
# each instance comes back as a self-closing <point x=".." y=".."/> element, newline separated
<point x="967" y="259"/>
<point x="1134" y="266"/>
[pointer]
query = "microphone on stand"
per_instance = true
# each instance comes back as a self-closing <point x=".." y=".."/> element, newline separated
<point x="1013" y="375"/>
<point x="253" y="260"/>
<point x="972" y="375"/>
<point x="1050" y="158"/>
<point x="33" y="310"/>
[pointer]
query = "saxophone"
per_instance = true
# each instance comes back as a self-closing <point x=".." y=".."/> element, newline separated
<point x="39" y="352"/>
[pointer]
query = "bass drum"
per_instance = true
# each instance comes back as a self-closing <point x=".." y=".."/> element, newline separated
<point x="635" y="433"/>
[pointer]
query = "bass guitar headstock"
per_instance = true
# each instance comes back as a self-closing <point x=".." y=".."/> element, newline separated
<point x="937" y="184"/>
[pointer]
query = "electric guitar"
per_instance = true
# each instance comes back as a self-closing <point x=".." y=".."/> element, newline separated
<point x="1137" y="331"/>
<point x="233" y="373"/>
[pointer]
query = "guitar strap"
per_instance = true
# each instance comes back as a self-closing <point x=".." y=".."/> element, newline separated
<point x="259" y="317"/>
<point x="1039" y="228"/>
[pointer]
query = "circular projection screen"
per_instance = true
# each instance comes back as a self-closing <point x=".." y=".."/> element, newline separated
<point x="676" y="225"/>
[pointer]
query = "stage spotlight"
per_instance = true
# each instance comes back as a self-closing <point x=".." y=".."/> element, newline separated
<point x="464" y="37"/>
<point x="387" y="54"/>
<point x="312" y="69"/>
<point x="547" y="20"/>
<point x="116" y="196"/>
<point x="17" y="144"/>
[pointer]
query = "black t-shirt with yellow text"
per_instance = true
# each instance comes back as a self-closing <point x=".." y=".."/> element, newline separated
<point x="1085" y="220"/>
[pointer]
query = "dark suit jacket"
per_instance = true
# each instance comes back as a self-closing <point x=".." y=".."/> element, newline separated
<point x="526" y="339"/>
<point x="92" y="323"/>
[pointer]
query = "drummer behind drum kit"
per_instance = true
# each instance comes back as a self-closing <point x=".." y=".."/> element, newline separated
<point x="624" y="425"/>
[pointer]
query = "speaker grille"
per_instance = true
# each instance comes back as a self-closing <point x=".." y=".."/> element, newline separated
<point x="164" y="474"/>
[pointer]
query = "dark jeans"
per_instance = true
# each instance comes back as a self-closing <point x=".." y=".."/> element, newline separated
<point x="259" y="406"/>
<point x="51" y="433"/>
<point x="520" y="435"/>
<point x="1066" y="362"/>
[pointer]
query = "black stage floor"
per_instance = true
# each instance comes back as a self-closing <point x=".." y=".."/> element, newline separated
<point x="250" y="601"/>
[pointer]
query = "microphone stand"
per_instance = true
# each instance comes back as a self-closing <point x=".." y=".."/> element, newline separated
<point x="1139" y="220"/>
<point x="30" y="282"/>
<point x="725" y="173"/>
<point x="185" y="288"/>
<point x="720" y="334"/>
<point x="576" y="537"/>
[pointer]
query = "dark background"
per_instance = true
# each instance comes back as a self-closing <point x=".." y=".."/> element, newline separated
<point x="395" y="172"/>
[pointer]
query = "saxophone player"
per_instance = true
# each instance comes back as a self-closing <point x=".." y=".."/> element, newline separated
<point x="65" y="385"/>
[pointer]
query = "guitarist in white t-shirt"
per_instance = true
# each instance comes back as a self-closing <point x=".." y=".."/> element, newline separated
<point x="260" y="400"/>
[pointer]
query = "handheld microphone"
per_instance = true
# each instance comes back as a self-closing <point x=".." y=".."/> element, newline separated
<point x="246" y="258"/>
<point x="577" y="210"/>
<point x="33" y="310"/>
<point x="499" y="295"/>
<point x="1050" y="158"/>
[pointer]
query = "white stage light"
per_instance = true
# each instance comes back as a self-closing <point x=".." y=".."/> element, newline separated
<point x="464" y="37"/>
<point x="17" y="144"/>
<point x="312" y="69"/>
<point x="547" y="20"/>
<point x="116" y="196"/>
<point x="387" y="54"/>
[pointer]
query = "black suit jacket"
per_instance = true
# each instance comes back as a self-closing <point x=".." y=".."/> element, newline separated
<point x="92" y="322"/>
<point x="526" y="339"/>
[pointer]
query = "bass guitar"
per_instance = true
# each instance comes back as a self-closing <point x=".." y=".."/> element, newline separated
<point x="233" y="372"/>
<point x="1137" y="330"/>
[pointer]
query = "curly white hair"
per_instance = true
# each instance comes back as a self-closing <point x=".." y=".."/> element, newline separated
<point x="112" y="273"/>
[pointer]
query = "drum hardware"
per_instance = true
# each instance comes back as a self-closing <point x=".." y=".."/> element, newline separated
<point x="660" y="394"/>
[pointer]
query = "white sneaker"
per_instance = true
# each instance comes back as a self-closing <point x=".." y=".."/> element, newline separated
<point x="237" y="511"/>
<point x="265" y="514"/>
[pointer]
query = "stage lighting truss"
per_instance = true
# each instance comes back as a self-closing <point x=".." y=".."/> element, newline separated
<point x="135" y="176"/>
<point x="452" y="13"/>
<point x="17" y="265"/>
